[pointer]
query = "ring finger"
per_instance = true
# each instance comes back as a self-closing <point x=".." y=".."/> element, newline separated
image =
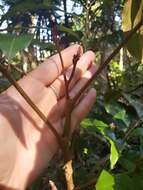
<point x="60" y="108"/>
<point x="84" y="63"/>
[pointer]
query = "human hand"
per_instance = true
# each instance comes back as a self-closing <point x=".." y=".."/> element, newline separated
<point x="26" y="143"/>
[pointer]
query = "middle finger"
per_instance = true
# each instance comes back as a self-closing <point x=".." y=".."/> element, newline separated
<point x="58" y="86"/>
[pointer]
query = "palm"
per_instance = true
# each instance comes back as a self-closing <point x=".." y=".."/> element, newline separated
<point x="29" y="136"/>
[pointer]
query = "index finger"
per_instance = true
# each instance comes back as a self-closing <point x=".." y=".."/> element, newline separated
<point x="48" y="71"/>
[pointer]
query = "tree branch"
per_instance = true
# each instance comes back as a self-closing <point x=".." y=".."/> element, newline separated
<point x="6" y="73"/>
<point x="107" y="61"/>
<point x="56" y="41"/>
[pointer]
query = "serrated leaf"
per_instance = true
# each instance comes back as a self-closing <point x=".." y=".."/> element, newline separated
<point x="10" y="44"/>
<point x="105" y="181"/>
<point x="131" y="16"/>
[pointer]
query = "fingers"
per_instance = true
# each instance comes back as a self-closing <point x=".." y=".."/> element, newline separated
<point x="83" y="64"/>
<point x="83" y="108"/>
<point x="88" y="74"/>
<point x="61" y="105"/>
<point x="48" y="71"/>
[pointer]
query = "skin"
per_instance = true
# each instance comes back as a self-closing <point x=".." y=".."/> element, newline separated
<point x="26" y="143"/>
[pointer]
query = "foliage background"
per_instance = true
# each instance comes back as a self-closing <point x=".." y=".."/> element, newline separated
<point x="109" y="148"/>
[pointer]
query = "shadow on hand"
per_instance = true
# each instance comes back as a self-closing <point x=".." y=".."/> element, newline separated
<point x="18" y="130"/>
<point x="2" y="187"/>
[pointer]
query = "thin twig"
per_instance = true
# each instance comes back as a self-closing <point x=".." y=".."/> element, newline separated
<point x="70" y="105"/>
<point x="64" y="75"/>
<point x="56" y="41"/>
<point x="67" y="125"/>
<point x="75" y="60"/>
<point x="6" y="73"/>
<point x="68" y="170"/>
<point x="131" y="128"/>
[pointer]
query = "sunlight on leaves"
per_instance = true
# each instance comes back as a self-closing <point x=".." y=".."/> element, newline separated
<point x="114" y="155"/>
<point x="131" y="16"/>
<point x="105" y="181"/>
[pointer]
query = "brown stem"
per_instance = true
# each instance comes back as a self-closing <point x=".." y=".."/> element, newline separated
<point x="62" y="63"/>
<point x="69" y="175"/>
<point x="67" y="127"/>
<point x="107" y="61"/>
<point x="75" y="60"/>
<point x="30" y="102"/>
<point x="72" y="74"/>
<point x="56" y="41"/>
<point x="68" y="170"/>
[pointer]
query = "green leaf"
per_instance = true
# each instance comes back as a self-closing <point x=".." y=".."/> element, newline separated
<point x="132" y="14"/>
<point x="109" y="135"/>
<point x="86" y="123"/>
<point x="105" y="181"/>
<point x="127" y="164"/>
<point x="139" y="132"/>
<point x="120" y="115"/>
<point x="114" y="155"/>
<point x="100" y="125"/>
<point x="124" y="182"/>
<point x="113" y="107"/>
<point x="135" y="103"/>
<point x="138" y="179"/>
<point x="104" y="129"/>
<point x="118" y="112"/>
<point x="10" y="44"/>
